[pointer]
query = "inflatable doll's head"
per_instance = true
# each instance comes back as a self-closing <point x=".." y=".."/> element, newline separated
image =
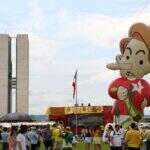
<point x="134" y="61"/>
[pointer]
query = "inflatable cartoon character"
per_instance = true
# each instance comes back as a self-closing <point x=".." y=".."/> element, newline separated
<point x="130" y="91"/>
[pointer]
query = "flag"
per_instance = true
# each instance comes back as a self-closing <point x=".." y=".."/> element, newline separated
<point x="74" y="83"/>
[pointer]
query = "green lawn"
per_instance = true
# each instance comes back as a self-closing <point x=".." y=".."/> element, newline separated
<point x="79" y="147"/>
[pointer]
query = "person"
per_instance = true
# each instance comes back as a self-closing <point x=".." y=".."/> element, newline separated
<point x="82" y="136"/>
<point x="4" y="136"/>
<point x="39" y="132"/>
<point x="67" y="139"/>
<point x="21" y="141"/>
<point x="89" y="104"/>
<point x="47" y="137"/>
<point x="110" y="134"/>
<point x="133" y="138"/>
<point x="97" y="139"/>
<point x="106" y="134"/>
<point x="147" y="138"/>
<point x="12" y="138"/>
<point x="33" y="136"/>
<point x="87" y="139"/>
<point x="75" y="141"/>
<point x="0" y="132"/>
<point x="122" y="131"/>
<point x="56" y="134"/>
<point x="116" y="138"/>
<point x="26" y="134"/>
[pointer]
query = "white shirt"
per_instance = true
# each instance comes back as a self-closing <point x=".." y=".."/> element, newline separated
<point x="27" y="138"/>
<point x="122" y="131"/>
<point x="22" y="140"/>
<point x="116" y="138"/>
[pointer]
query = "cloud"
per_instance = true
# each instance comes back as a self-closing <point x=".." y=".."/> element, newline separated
<point x="37" y="17"/>
<point x="42" y="53"/>
<point x="101" y="30"/>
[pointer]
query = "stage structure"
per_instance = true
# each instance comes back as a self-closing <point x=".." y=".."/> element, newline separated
<point x="88" y="116"/>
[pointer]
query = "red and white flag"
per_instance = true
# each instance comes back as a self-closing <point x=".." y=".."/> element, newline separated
<point x="74" y="83"/>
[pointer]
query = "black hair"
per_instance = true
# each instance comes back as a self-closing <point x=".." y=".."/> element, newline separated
<point x="13" y="129"/>
<point x="111" y="127"/>
<point x="133" y="125"/>
<point x="5" y="129"/>
<point x="23" y="129"/>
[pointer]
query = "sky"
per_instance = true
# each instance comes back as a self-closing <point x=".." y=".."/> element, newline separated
<point x="66" y="35"/>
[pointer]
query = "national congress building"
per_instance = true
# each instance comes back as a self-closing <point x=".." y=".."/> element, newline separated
<point x="21" y="80"/>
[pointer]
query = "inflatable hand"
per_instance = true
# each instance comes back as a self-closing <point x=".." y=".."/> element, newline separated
<point x="122" y="93"/>
<point x="125" y="95"/>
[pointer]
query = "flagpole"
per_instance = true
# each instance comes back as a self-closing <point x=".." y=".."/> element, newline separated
<point x="76" y="105"/>
<point x="75" y="97"/>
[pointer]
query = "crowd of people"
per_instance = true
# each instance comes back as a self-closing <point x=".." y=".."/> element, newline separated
<point x="58" y="137"/>
<point x="132" y="138"/>
<point x="54" y="137"/>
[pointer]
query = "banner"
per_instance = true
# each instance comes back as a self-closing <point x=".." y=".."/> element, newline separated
<point x="83" y="110"/>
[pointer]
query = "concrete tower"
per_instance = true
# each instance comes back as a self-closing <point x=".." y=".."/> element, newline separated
<point x="5" y="74"/>
<point x="22" y="73"/>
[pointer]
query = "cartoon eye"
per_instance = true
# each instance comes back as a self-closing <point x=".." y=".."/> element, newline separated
<point x="141" y="62"/>
<point x="127" y="57"/>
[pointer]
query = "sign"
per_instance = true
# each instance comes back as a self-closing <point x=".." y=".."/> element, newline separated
<point x="83" y="110"/>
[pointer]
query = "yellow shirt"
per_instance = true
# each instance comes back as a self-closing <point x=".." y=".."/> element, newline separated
<point x="56" y="132"/>
<point x="133" y="138"/>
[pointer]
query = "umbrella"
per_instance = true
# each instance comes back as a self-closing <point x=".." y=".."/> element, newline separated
<point x="16" y="117"/>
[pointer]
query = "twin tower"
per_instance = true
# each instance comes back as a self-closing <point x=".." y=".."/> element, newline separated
<point x="19" y="82"/>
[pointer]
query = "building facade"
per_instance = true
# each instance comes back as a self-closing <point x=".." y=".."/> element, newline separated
<point x="22" y="73"/>
<point x="5" y="74"/>
<point x="21" y="81"/>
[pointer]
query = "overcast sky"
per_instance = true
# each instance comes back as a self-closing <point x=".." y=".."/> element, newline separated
<point x="69" y="34"/>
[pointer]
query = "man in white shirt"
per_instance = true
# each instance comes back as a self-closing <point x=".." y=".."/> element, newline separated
<point x="116" y="138"/>
<point x="21" y="141"/>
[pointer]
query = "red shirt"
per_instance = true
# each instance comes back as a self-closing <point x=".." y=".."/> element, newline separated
<point x="139" y="88"/>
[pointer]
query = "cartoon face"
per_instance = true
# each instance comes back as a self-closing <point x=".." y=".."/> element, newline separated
<point x="134" y="62"/>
